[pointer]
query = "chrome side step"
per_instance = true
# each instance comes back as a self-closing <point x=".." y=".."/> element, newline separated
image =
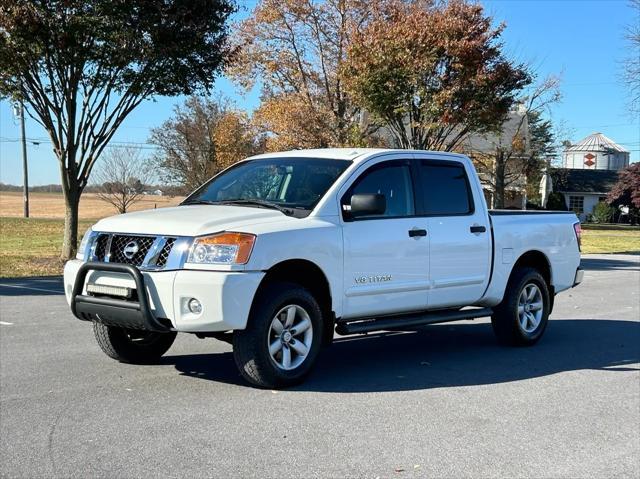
<point x="358" y="326"/>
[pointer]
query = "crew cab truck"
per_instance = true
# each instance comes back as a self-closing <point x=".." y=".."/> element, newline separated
<point x="279" y="250"/>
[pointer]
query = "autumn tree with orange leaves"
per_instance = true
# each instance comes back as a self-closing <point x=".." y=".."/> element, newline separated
<point x="433" y="73"/>
<point x="297" y="48"/>
<point x="204" y="136"/>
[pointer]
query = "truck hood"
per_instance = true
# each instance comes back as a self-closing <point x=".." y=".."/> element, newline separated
<point x="189" y="220"/>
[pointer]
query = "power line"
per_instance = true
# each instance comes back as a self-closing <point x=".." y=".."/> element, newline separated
<point x="111" y="143"/>
<point x="146" y="143"/>
<point x="603" y="126"/>
<point x="123" y="144"/>
<point x="154" y="146"/>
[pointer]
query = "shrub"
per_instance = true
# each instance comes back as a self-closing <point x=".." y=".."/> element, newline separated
<point x="603" y="213"/>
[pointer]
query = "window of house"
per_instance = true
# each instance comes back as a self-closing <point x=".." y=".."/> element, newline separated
<point x="576" y="204"/>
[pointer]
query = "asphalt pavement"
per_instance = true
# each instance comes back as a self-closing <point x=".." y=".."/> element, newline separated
<point x="445" y="401"/>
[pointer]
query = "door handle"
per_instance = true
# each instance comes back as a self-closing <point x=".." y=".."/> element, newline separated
<point x="477" y="229"/>
<point x="417" y="232"/>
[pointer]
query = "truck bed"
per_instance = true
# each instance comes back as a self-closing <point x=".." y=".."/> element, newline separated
<point x="515" y="232"/>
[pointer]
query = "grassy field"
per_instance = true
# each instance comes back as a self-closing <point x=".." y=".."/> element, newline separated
<point x="32" y="247"/>
<point x="51" y="205"/>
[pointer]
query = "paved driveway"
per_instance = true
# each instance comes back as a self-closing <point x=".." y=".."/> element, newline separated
<point x="444" y="401"/>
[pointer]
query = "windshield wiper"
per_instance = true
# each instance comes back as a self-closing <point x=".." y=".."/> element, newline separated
<point x="256" y="202"/>
<point x="199" y="202"/>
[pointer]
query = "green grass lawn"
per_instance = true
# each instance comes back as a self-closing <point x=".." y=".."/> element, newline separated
<point x="598" y="238"/>
<point x="31" y="247"/>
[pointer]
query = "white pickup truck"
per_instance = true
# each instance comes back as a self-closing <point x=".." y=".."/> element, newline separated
<point x="276" y="252"/>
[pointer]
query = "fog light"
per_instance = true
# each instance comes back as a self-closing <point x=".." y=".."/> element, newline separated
<point x="195" y="306"/>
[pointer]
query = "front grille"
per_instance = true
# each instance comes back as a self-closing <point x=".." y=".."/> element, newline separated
<point x="130" y="249"/>
<point x="133" y="249"/>
<point x="164" y="254"/>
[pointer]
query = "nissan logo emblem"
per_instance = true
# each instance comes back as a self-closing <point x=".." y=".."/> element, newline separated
<point x="130" y="249"/>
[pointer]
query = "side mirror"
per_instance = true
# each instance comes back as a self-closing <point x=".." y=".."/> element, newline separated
<point x="368" y="204"/>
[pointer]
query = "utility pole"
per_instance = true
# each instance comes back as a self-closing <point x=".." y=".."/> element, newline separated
<point x="25" y="172"/>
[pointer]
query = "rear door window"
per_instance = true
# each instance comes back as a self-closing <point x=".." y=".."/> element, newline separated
<point x="445" y="188"/>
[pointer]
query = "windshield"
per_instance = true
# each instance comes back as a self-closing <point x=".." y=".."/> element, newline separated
<point x="281" y="183"/>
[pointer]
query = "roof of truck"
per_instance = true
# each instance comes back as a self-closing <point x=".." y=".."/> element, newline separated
<point x="352" y="154"/>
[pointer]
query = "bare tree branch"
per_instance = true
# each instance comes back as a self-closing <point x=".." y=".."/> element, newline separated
<point x="121" y="177"/>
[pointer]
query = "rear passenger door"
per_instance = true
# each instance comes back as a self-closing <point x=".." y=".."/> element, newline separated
<point x="459" y="234"/>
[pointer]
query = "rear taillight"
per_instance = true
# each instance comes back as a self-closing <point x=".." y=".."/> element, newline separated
<point x="578" y="230"/>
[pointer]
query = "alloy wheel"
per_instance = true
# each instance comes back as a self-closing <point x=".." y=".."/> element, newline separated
<point x="290" y="337"/>
<point x="530" y="308"/>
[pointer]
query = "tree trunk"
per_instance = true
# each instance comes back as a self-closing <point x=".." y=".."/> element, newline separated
<point x="342" y="125"/>
<point x="498" y="195"/>
<point x="70" y="241"/>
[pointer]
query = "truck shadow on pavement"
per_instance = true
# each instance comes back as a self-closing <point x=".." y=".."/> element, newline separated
<point x="441" y="356"/>
<point x="608" y="264"/>
<point x="36" y="286"/>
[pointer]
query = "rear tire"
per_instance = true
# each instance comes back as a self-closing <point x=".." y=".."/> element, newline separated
<point x="281" y="342"/>
<point x="132" y="346"/>
<point x="522" y="316"/>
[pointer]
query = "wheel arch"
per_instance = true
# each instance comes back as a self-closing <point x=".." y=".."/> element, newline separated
<point x="539" y="261"/>
<point x="310" y="276"/>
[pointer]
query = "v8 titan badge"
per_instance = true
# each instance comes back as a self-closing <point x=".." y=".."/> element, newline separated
<point x="373" y="279"/>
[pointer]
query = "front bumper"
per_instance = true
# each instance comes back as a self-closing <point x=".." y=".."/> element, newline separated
<point x="161" y="297"/>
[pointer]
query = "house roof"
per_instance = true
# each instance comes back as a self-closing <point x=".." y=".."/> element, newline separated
<point x="596" y="142"/>
<point x="583" y="181"/>
<point x="514" y="125"/>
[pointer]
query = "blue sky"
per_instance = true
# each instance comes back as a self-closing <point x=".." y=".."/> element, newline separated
<point x="583" y="41"/>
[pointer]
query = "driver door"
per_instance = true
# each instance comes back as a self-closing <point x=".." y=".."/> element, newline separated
<point x="386" y="257"/>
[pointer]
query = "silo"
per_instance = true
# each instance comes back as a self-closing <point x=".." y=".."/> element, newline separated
<point x="596" y="152"/>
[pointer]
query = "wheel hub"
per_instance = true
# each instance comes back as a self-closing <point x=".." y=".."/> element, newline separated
<point x="290" y="337"/>
<point x="530" y="308"/>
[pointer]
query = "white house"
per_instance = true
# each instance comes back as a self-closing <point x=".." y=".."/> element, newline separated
<point x="515" y="126"/>
<point x="582" y="189"/>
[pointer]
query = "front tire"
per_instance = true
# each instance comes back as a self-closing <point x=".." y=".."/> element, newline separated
<point x="281" y="342"/>
<point x="522" y="316"/>
<point x="132" y="346"/>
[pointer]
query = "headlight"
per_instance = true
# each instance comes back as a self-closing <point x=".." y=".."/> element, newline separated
<point x="223" y="248"/>
<point x="83" y="244"/>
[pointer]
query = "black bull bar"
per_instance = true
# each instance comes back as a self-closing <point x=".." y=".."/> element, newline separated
<point x="112" y="311"/>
